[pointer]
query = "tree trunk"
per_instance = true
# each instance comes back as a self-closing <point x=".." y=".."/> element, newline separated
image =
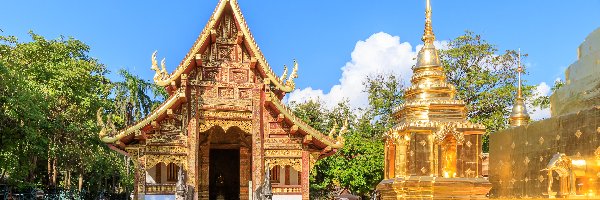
<point x="54" y="172"/>
<point x="49" y="167"/>
<point x="2" y="176"/>
<point x="31" y="175"/>
<point x="80" y="182"/>
<point x="68" y="177"/>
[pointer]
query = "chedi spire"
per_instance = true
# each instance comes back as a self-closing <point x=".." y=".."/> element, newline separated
<point x="519" y="115"/>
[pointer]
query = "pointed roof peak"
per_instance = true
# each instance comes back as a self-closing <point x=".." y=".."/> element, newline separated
<point x="206" y="38"/>
<point x="519" y="115"/>
<point x="428" y="36"/>
<point x="519" y="70"/>
<point x="428" y="56"/>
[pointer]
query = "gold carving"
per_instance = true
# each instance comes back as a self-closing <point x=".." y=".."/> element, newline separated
<point x="179" y="160"/>
<point x="541" y="140"/>
<point x="226" y="93"/>
<point x="295" y="163"/>
<point x="578" y="134"/>
<point x="283" y="153"/>
<point x="210" y="74"/>
<point x="541" y="178"/>
<point x="469" y="172"/>
<point x="239" y="75"/>
<point x="245" y="126"/>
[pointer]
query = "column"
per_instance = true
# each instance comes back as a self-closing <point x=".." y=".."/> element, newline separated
<point x="245" y="172"/>
<point x="305" y="178"/>
<point x="140" y="176"/>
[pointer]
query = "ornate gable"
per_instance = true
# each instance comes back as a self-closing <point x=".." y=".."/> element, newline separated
<point x="223" y="80"/>
<point x="226" y="37"/>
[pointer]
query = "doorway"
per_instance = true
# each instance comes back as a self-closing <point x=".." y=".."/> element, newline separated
<point x="224" y="174"/>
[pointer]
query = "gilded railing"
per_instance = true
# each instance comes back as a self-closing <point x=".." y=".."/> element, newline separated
<point x="160" y="188"/>
<point x="287" y="189"/>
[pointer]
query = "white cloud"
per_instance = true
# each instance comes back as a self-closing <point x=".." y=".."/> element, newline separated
<point x="536" y="113"/>
<point x="380" y="53"/>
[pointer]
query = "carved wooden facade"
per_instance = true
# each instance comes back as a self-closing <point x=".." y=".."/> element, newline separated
<point x="223" y="95"/>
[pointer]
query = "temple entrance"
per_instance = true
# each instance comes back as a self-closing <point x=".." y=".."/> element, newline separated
<point x="224" y="174"/>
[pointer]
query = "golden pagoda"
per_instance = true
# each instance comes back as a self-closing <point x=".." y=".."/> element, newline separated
<point x="432" y="151"/>
<point x="519" y="115"/>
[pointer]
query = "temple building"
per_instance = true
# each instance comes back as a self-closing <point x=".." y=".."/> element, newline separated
<point x="558" y="157"/>
<point x="223" y="123"/>
<point x="432" y="152"/>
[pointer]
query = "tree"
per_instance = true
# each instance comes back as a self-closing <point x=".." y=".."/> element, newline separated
<point x="131" y="98"/>
<point x="485" y="79"/>
<point x="49" y="93"/>
<point x="358" y="166"/>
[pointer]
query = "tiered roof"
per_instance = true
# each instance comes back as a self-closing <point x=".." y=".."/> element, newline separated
<point x="179" y="96"/>
<point x="430" y="100"/>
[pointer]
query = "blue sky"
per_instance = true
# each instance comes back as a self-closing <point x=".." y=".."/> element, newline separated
<point x="323" y="35"/>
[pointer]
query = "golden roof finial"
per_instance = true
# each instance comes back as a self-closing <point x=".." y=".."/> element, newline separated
<point x="519" y="115"/>
<point x="428" y="36"/>
<point x="519" y="70"/>
<point x="428" y="56"/>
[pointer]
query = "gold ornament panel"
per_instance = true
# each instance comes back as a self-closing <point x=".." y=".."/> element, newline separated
<point x="245" y="126"/>
<point x="295" y="163"/>
<point x="179" y="160"/>
<point x="283" y="153"/>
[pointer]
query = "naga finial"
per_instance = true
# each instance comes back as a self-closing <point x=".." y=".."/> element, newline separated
<point x="333" y="129"/>
<point x="160" y="74"/>
<point x="104" y="130"/>
<point x="163" y="70"/>
<point x="340" y="138"/>
<point x="285" y="71"/>
<point x="293" y="75"/>
<point x="154" y="63"/>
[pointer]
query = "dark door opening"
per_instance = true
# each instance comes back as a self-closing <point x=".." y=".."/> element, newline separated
<point x="224" y="174"/>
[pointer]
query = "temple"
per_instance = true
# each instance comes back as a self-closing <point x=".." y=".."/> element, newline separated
<point x="432" y="152"/>
<point x="222" y="123"/>
<point x="558" y="157"/>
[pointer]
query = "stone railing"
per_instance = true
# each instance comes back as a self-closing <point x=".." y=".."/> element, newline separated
<point x="160" y="188"/>
<point x="287" y="189"/>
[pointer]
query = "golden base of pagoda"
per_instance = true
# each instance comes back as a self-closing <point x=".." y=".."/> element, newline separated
<point x="427" y="187"/>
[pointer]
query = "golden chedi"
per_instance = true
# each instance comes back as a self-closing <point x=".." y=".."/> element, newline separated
<point x="558" y="157"/>
<point x="432" y="151"/>
<point x="519" y="115"/>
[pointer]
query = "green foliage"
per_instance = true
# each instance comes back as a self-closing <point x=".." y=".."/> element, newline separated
<point x="50" y="91"/>
<point x="484" y="78"/>
<point x="358" y="166"/>
<point x="131" y="99"/>
<point x="544" y="101"/>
